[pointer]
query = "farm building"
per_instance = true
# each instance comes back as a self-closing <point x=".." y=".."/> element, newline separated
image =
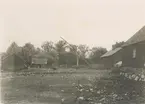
<point x="39" y="62"/>
<point x="112" y="57"/>
<point x="12" y="62"/>
<point x="42" y="60"/>
<point x="133" y="54"/>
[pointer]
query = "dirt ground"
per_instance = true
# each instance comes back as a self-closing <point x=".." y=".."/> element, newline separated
<point x="44" y="86"/>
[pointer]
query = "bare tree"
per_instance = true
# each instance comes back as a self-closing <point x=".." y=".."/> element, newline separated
<point x="96" y="53"/>
<point x="117" y="44"/>
<point x="83" y="49"/>
<point x="47" y="46"/>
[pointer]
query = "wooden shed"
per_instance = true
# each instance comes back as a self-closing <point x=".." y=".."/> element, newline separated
<point x="42" y="59"/>
<point x="110" y="58"/>
<point x="133" y="54"/>
<point x="39" y="62"/>
<point x="12" y="62"/>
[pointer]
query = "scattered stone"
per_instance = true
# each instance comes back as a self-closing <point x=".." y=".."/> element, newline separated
<point x="130" y="77"/>
<point x="87" y="90"/>
<point x="80" y="85"/>
<point x="91" y="90"/>
<point x="89" y="99"/>
<point x="136" y="78"/>
<point x="81" y="90"/>
<point x="126" y="75"/>
<point x="102" y="99"/>
<point x="142" y="76"/>
<point x="98" y="92"/>
<point x="80" y="98"/>
<point x="62" y="90"/>
<point x="143" y="79"/>
<point x="133" y="76"/>
<point x="62" y="100"/>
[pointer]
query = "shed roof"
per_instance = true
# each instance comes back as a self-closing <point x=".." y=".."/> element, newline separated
<point x="39" y="61"/>
<point x="43" y="55"/>
<point x="12" y="54"/>
<point x="110" y="53"/>
<point x="137" y="37"/>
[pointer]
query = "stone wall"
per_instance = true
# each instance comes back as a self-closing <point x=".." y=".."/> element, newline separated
<point x="137" y="74"/>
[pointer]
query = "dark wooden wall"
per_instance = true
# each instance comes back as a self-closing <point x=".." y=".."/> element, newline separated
<point x="108" y="62"/>
<point x="12" y="63"/>
<point x="127" y="55"/>
<point x="111" y="60"/>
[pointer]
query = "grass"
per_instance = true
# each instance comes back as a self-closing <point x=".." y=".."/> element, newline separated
<point x="43" y="86"/>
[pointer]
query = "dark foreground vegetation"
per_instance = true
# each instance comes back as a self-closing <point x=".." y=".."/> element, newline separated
<point x="114" y="89"/>
<point x="70" y="86"/>
<point x="43" y="86"/>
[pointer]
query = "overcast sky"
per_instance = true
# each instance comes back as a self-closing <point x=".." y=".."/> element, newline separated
<point x="91" y="22"/>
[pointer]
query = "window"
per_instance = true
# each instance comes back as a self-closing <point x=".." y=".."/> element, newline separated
<point x="134" y="53"/>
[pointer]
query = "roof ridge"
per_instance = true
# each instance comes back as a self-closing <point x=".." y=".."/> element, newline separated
<point x="12" y="55"/>
<point x="111" y="52"/>
<point x="137" y="37"/>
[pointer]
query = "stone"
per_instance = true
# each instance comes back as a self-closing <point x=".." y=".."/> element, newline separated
<point x="133" y="75"/>
<point x="81" y="98"/>
<point x="126" y="75"/>
<point x="98" y="92"/>
<point x="142" y="76"/>
<point x="136" y="78"/>
<point x="62" y="100"/>
<point x="130" y="77"/>
<point x="140" y="79"/>
<point x="91" y="89"/>
<point x="81" y="90"/>
<point x="143" y="79"/>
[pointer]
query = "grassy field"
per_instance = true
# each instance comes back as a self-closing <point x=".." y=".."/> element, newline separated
<point x="43" y="86"/>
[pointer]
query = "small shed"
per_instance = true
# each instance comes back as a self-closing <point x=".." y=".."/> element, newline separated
<point x="134" y="50"/>
<point x="12" y="62"/>
<point x="110" y="58"/>
<point x="39" y="62"/>
<point x="42" y="59"/>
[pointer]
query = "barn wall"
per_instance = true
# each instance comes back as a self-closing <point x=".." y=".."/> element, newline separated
<point x="19" y="63"/>
<point x="127" y="58"/>
<point x="111" y="60"/>
<point x="8" y="63"/>
<point x="108" y="62"/>
<point x="117" y="57"/>
<point x="12" y="63"/>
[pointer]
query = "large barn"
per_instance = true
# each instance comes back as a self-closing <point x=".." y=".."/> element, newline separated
<point x="110" y="58"/>
<point x="133" y="54"/>
<point x="12" y="62"/>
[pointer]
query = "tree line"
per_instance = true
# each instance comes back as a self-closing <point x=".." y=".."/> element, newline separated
<point x="61" y="52"/>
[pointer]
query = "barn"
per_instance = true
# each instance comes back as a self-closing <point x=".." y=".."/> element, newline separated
<point x="133" y="51"/>
<point x="110" y="58"/>
<point x="12" y="62"/>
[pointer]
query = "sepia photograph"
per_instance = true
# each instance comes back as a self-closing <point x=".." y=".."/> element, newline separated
<point x="72" y="52"/>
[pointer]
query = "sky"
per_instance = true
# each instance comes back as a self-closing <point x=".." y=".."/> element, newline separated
<point x="91" y="22"/>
